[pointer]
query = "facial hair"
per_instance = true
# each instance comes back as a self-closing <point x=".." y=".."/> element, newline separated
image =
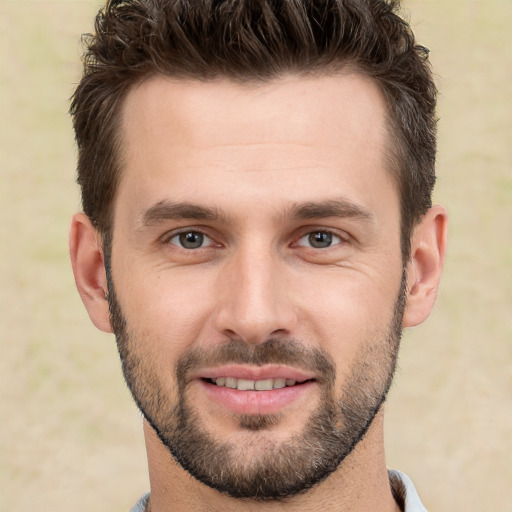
<point x="274" y="470"/>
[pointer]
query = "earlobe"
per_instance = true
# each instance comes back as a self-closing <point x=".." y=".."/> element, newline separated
<point x="428" y="247"/>
<point x="89" y="270"/>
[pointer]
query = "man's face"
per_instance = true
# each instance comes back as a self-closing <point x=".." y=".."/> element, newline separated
<point x="257" y="273"/>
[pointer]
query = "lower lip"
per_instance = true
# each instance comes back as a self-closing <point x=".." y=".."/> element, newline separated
<point x="256" y="402"/>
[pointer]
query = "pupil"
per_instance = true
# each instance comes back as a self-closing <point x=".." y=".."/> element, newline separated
<point x="320" y="239"/>
<point x="191" y="240"/>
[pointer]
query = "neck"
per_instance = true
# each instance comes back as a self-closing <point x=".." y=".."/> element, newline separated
<point x="360" y="484"/>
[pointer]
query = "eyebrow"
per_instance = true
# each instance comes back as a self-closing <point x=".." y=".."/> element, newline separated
<point x="331" y="208"/>
<point x="168" y="210"/>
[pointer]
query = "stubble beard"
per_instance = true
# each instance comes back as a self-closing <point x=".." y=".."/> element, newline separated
<point x="273" y="471"/>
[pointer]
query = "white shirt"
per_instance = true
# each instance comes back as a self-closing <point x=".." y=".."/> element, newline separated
<point x="404" y="492"/>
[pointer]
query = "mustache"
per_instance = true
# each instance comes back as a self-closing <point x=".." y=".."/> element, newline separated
<point x="273" y="351"/>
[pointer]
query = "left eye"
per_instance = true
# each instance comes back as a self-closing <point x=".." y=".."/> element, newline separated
<point x="319" y="240"/>
<point x="191" y="240"/>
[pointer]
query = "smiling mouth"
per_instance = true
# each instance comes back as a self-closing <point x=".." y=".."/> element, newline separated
<point x="254" y="385"/>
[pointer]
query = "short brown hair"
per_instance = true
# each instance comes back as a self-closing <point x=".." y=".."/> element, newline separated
<point x="253" y="40"/>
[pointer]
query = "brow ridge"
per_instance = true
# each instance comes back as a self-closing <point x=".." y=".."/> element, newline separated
<point x="169" y="210"/>
<point x="331" y="208"/>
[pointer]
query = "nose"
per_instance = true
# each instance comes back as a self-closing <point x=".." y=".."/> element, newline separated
<point x="254" y="300"/>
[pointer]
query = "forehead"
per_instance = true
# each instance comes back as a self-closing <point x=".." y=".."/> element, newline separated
<point x="290" y="107"/>
<point x="253" y="138"/>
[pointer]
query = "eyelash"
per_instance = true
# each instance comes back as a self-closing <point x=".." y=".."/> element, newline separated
<point x="329" y="235"/>
<point x="171" y="236"/>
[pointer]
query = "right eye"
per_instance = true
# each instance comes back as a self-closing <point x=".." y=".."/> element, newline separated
<point x="191" y="240"/>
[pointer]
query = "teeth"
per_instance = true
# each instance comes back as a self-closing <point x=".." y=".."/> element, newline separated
<point x="231" y="382"/>
<point x="264" y="385"/>
<point x="245" y="385"/>
<point x="279" y="383"/>
<point x="259" y="385"/>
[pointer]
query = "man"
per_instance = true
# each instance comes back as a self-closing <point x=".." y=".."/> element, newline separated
<point x="256" y="180"/>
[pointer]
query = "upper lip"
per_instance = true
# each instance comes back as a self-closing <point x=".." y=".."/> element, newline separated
<point x="242" y="371"/>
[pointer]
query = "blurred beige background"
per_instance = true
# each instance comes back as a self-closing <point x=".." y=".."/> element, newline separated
<point x="70" y="438"/>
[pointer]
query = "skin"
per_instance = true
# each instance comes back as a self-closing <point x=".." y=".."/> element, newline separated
<point x="255" y="154"/>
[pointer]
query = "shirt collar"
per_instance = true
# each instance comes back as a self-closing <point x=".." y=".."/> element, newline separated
<point x="404" y="492"/>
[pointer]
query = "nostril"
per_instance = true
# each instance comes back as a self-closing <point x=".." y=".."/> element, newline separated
<point x="280" y="332"/>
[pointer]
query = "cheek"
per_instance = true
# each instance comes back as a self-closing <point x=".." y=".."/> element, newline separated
<point x="348" y="310"/>
<point x="356" y="335"/>
<point x="166" y="307"/>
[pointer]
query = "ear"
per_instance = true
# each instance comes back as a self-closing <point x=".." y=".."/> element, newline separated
<point x="428" y="247"/>
<point x="87" y="260"/>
